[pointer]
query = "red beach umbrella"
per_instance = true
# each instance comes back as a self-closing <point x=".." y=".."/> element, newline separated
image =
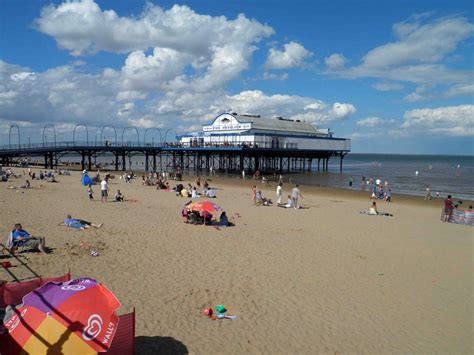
<point x="73" y="317"/>
<point x="204" y="206"/>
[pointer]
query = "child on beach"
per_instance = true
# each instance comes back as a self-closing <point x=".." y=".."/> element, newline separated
<point x="90" y="192"/>
<point x="119" y="196"/>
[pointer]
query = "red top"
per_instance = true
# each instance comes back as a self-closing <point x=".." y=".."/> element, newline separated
<point x="448" y="204"/>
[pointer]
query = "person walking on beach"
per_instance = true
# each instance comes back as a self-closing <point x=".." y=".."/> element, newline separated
<point x="351" y="180"/>
<point x="104" y="191"/>
<point x="254" y="194"/>
<point x="428" y="193"/>
<point x="90" y="192"/>
<point x="278" y="192"/>
<point x="295" y="195"/>
<point x="243" y="174"/>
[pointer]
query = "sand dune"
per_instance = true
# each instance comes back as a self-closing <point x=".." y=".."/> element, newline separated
<point x="320" y="280"/>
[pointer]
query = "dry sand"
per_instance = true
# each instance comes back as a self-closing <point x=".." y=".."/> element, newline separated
<point x="320" y="280"/>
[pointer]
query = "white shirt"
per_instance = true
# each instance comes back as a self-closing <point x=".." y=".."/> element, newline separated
<point x="278" y="190"/>
<point x="210" y="193"/>
<point x="103" y="185"/>
<point x="295" y="192"/>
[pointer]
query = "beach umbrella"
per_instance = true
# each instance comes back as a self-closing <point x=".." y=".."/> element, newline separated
<point x="73" y="317"/>
<point x="204" y="206"/>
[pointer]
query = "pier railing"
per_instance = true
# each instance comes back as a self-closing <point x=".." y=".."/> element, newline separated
<point x="80" y="144"/>
<point x="77" y="145"/>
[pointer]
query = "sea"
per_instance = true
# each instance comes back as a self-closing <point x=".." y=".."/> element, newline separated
<point x="444" y="174"/>
<point x="406" y="174"/>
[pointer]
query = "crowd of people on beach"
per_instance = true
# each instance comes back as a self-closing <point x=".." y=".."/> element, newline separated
<point x="20" y="239"/>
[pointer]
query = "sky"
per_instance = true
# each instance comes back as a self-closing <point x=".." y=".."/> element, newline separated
<point x="396" y="78"/>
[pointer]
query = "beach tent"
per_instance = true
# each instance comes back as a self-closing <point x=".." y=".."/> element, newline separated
<point x="86" y="180"/>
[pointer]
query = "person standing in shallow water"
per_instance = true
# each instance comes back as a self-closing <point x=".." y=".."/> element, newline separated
<point x="428" y="193"/>
<point x="351" y="181"/>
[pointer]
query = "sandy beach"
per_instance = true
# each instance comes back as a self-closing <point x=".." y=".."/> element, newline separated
<point x="324" y="279"/>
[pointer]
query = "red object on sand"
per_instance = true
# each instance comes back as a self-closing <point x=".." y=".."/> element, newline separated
<point x="207" y="312"/>
<point x="6" y="264"/>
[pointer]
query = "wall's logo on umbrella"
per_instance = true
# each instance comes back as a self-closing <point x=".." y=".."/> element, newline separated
<point x="93" y="327"/>
<point x="73" y="288"/>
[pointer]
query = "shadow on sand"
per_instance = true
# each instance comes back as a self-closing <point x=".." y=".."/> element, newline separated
<point x="159" y="345"/>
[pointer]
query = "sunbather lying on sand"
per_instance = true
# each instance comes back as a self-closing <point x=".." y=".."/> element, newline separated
<point x="79" y="223"/>
<point x="26" y="185"/>
<point x="374" y="212"/>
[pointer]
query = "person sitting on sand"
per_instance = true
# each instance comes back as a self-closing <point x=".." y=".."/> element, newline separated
<point x="185" y="193"/>
<point x="79" y="223"/>
<point x="210" y="193"/>
<point x="186" y="212"/>
<point x="260" y="200"/>
<point x="224" y="221"/>
<point x="194" y="193"/>
<point x="206" y="217"/>
<point x="19" y="238"/>
<point x="119" y="196"/>
<point x="289" y="203"/>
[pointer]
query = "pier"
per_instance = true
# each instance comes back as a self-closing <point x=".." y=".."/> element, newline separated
<point x="171" y="155"/>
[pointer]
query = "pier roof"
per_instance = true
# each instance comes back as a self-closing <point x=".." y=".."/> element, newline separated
<point x="276" y="124"/>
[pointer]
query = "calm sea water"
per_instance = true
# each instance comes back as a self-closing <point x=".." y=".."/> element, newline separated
<point x="440" y="173"/>
<point x="444" y="174"/>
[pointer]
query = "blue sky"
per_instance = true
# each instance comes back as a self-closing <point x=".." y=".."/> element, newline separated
<point x="396" y="78"/>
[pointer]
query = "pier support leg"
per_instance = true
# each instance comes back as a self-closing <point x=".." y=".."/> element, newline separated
<point x="124" y="162"/>
<point x="154" y="161"/>
<point x="89" y="157"/>
<point x="116" y="161"/>
<point x="83" y="161"/>
<point x="146" y="161"/>
<point x="340" y="163"/>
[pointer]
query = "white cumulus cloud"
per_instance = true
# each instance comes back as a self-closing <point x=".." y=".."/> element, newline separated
<point x="335" y="61"/>
<point x="293" y="55"/>
<point x="449" y="120"/>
